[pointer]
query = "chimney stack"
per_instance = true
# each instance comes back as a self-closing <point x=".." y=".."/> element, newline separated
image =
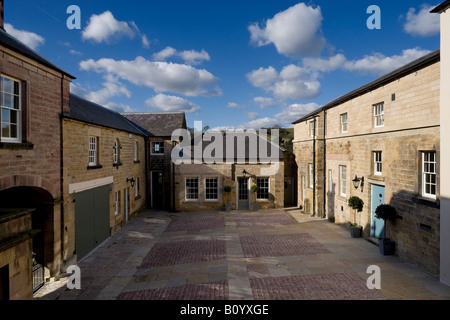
<point x="2" y="22"/>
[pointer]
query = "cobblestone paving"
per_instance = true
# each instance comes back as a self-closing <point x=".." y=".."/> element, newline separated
<point x="281" y="245"/>
<point x="205" y="291"/>
<point x="346" y="286"/>
<point x="182" y="252"/>
<point x="194" y="224"/>
<point x="268" y="255"/>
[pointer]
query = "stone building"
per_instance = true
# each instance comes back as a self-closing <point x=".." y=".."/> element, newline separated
<point x="34" y="93"/>
<point x="237" y="160"/>
<point x="385" y="136"/>
<point x="160" y="126"/>
<point x="104" y="175"/>
<point x="443" y="10"/>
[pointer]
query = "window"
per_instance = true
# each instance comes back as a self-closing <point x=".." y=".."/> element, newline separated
<point x="136" y="193"/>
<point x="93" y="151"/>
<point x="378" y="112"/>
<point x="191" y="188"/>
<point x="344" y="122"/>
<point x="117" y="202"/>
<point x="312" y="129"/>
<point x="330" y="181"/>
<point x="263" y="188"/>
<point x="378" y="163"/>
<point x="11" y="110"/>
<point x="136" y="157"/>
<point x="429" y="175"/>
<point x="116" y="152"/>
<point x="157" y="147"/>
<point x="343" y="180"/>
<point x="211" y="188"/>
<point x="311" y="175"/>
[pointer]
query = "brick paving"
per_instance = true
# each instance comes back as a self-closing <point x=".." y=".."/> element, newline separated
<point x="347" y="286"/>
<point x="260" y="221"/>
<point x="269" y="255"/>
<point x="182" y="252"/>
<point x="281" y="245"/>
<point x="204" y="291"/>
<point x="196" y="224"/>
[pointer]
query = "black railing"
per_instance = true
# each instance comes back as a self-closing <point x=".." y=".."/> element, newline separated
<point x="38" y="276"/>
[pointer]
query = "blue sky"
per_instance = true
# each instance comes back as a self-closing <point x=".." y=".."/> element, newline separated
<point x="229" y="64"/>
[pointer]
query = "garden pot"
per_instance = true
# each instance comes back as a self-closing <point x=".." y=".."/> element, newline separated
<point x="228" y="207"/>
<point x="356" y="231"/>
<point x="256" y="206"/>
<point x="387" y="247"/>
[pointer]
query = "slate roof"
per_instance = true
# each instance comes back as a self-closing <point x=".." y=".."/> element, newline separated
<point x="442" y="7"/>
<point x="159" y="124"/>
<point x="249" y="149"/>
<point x="89" y="112"/>
<point x="415" y="65"/>
<point x="12" y="43"/>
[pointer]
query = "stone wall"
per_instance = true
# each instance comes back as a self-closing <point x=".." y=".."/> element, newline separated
<point x="76" y="151"/>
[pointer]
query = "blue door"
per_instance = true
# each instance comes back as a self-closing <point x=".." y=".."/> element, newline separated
<point x="377" y="225"/>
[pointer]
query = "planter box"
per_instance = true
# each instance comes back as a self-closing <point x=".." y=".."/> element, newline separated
<point x="387" y="247"/>
<point x="355" y="231"/>
<point x="227" y="207"/>
<point x="256" y="206"/>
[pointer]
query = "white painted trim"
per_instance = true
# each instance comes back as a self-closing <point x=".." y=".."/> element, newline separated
<point x="87" y="185"/>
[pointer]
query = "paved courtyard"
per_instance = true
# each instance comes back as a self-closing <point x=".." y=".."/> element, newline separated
<point x="264" y="255"/>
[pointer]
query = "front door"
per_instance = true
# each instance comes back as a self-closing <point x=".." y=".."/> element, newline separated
<point x="377" y="225"/>
<point x="288" y="191"/>
<point x="244" y="197"/>
<point x="157" y="190"/>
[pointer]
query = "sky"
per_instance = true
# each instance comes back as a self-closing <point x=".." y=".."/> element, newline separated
<point x="229" y="64"/>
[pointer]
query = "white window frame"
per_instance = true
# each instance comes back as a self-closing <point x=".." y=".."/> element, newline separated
<point x="136" y="151"/>
<point x="378" y="163"/>
<point x="18" y="139"/>
<point x="207" y="188"/>
<point x="116" y="151"/>
<point x="187" y="193"/>
<point x="93" y="151"/>
<point x="136" y="189"/>
<point x="330" y="181"/>
<point x="344" y="123"/>
<point x="378" y="115"/>
<point x="343" y="181"/>
<point x="258" y="197"/>
<point x="311" y="175"/>
<point x="312" y="129"/>
<point x="153" y="147"/>
<point x="429" y="171"/>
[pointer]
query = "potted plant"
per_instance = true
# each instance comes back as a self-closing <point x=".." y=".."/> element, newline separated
<point x="227" y="191"/>
<point x="387" y="213"/>
<point x="357" y="204"/>
<point x="254" y="189"/>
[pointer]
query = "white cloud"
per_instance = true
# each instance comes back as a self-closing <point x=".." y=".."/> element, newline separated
<point x="75" y="52"/>
<point x="292" y="82"/>
<point x="423" y="23"/>
<point x="30" y="39"/>
<point x="171" y="103"/>
<point x="294" y="112"/>
<point x="191" y="57"/>
<point x="295" y="32"/>
<point x="104" y="28"/>
<point x="265" y="102"/>
<point x="379" y="64"/>
<point x="234" y="105"/>
<point x="259" y="123"/>
<point x="251" y="115"/>
<point x="160" y="76"/>
<point x="325" y="65"/>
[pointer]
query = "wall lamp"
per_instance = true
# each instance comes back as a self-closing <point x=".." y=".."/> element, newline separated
<point x="358" y="182"/>
<point x="132" y="181"/>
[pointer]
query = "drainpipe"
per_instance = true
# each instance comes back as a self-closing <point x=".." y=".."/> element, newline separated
<point x="62" y="171"/>
<point x="324" y="164"/>
<point x="314" y="167"/>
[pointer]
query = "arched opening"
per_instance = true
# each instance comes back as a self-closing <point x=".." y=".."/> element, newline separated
<point x="42" y="202"/>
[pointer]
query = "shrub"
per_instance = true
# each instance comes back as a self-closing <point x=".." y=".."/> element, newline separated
<point x="356" y="203"/>
<point x="386" y="212"/>
<point x="227" y="189"/>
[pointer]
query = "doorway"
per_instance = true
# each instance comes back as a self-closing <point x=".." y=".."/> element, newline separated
<point x="157" y="187"/>
<point x="377" y="225"/>
<point x="243" y="194"/>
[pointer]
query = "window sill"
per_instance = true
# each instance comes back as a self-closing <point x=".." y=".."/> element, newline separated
<point x="427" y="202"/>
<point x="376" y="177"/>
<point x="137" y="198"/>
<point x="137" y="161"/>
<point x="16" y="146"/>
<point x="116" y="165"/>
<point x="94" y="167"/>
<point x="157" y="154"/>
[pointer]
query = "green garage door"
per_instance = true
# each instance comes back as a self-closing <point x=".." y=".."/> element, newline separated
<point x="91" y="219"/>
